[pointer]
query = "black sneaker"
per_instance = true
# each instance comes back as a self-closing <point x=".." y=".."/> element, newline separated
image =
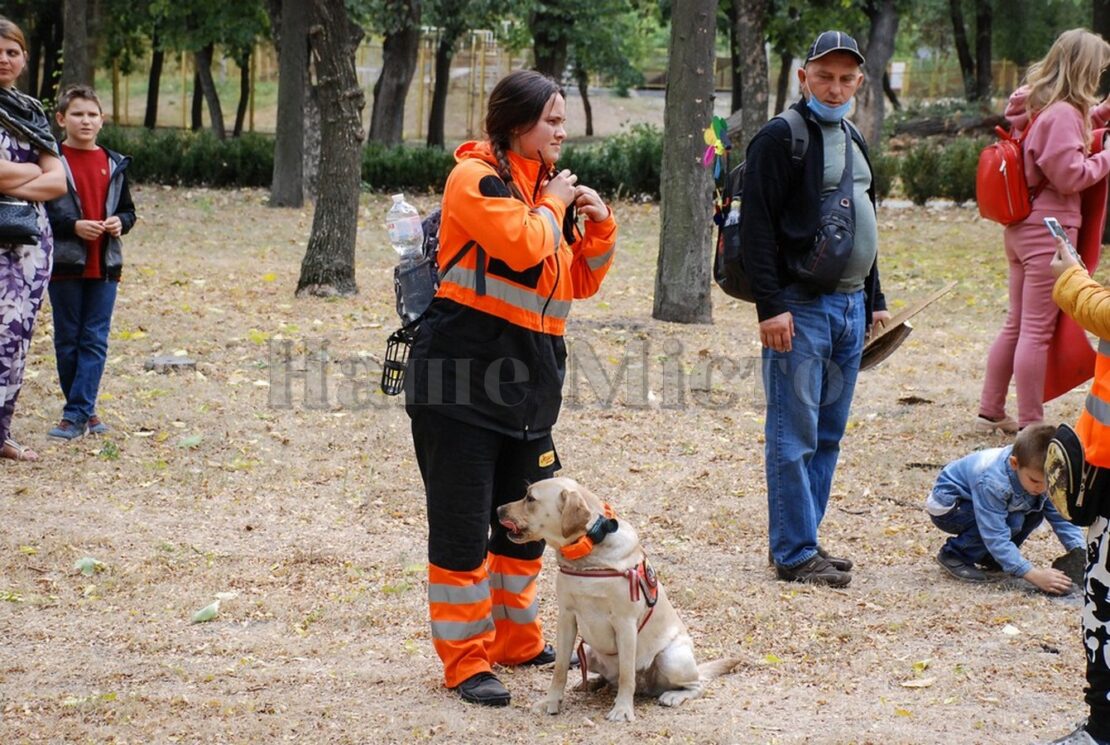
<point x="844" y="565"/>
<point x="816" y="571"/>
<point x="484" y="689"/>
<point x="959" y="568"/>
<point x="1073" y="564"/>
<point x="547" y="657"/>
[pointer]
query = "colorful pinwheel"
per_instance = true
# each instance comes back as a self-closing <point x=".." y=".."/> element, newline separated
<point x="717" y="145"/>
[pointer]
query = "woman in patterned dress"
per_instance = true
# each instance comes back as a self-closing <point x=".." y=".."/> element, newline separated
<point x="29" y="169"/>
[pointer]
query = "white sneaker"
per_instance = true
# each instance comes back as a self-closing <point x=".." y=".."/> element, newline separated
<point x="1006" y="425"/>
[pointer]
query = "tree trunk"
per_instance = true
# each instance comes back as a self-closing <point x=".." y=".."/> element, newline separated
<point x="1100" y="24"/>
<point x="583" y="79"/>
<point x="399" y="52"/>
<point x="870" y="102"/>
<point x="244" y="62"/>
<point x="735" y="75"/>
<point x="329" y="262"/>
<point x="154" y="81"/>
<point x="686" y="229"/>
<point x="445" y="51"/>
<point x="76" y="66"/>
<point x="291" y="33"/>
<point x="983" y="50"/>
<point x="197" y="109"/>
<point x="963" y="51"/>
<point x="550" y="26"/>
<point x="890" y="94"/>
<point x="782" y="88"/>
<point x="48" y="90"/>
<point x="751" y="21"/>
<point x="312" y="144"/>
<point x="208" y="87"/>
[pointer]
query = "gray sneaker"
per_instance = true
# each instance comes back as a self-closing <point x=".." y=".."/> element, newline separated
<point x="67" y="430"/>
<point x="1077" y="736"/>
<point x="815" y="571"/>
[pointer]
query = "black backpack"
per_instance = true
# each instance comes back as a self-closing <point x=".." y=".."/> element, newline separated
<point x="728" y="262"/>
<point x="420" y="280"/>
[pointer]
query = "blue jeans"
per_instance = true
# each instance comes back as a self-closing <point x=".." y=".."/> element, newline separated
<point x="82" y="319"/>
<point x="809" y="392"/>
<point x="966" y="544"/>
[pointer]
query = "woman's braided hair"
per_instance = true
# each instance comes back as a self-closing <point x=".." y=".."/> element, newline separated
<point x="517" y="101"/>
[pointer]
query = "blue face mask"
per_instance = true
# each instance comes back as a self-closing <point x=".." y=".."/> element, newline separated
<point x="828" y="113"/>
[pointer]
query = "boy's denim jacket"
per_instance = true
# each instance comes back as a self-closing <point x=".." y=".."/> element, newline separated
<point x="986" y="478"/>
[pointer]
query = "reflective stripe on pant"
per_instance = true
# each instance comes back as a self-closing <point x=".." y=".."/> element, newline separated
<point x="468" y="473"/>
<point x="512" y="584"/>
<point x="462" y="622"/>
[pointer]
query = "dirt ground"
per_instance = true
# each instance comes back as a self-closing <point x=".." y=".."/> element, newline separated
<point x="302" y="508"/>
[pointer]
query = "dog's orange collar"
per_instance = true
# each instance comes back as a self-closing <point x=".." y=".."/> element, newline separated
<point x="603" y="526"/>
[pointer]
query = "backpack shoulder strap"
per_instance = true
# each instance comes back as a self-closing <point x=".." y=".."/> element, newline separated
<point x="799" y="134"/>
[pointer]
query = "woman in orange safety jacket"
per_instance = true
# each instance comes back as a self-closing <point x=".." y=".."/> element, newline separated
<point x="1084" y="300"/>
<point x="487" y="370"/>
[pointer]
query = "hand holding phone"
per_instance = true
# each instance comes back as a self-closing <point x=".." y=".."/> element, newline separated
<point x="1057" y="230"/>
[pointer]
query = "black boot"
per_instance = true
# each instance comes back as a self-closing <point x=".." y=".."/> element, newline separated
<point x="484" y="689"/>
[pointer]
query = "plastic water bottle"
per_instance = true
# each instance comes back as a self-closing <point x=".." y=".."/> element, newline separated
<point x="405" y="232"/>
<point x="733" y="213"/>
<point x="414" y="278"/>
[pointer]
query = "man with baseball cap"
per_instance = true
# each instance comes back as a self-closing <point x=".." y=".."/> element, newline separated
<point x="812" y="338"/>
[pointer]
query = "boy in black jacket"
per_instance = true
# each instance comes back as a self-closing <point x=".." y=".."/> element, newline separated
<point x="87" y="223"/>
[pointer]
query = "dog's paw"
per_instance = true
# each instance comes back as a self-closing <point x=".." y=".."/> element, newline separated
<point x="676" y="697"/>
<point x="547" y="706"/>
<point x="621" y="713"/>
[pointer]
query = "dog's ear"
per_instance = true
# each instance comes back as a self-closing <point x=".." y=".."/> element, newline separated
<point x="575" y="512"/>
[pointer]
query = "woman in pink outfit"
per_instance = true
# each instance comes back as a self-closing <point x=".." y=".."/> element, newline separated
<point x="1058" y="105"/>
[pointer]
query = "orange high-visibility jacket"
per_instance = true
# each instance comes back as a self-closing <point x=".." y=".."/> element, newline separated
<point x="490" y="348"/>
<point x="531" y="274"/>
<point x="1088" y="303"/>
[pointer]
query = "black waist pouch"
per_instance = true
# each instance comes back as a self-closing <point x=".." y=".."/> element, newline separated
<point x="823" y="265"/>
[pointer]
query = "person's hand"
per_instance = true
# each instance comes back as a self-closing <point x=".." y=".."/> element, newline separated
<point x="777" y="332"/>
<point x="1049" y="580"/>
<point x="588" y="203"/>
<point x="89" y="230"/>
<point x="113" y="226"/>
<point x="561" y="186"/>
<point x="1064" y="258"/>
<point x="879" y="320"/>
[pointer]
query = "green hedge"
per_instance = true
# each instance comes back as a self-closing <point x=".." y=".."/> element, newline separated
<point x="931" y="170"/>
<point x="171" y="156"/>
<point x="628" y="164"/>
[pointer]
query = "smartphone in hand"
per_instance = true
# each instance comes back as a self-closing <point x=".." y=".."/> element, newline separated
<point x="1057" y="230"/>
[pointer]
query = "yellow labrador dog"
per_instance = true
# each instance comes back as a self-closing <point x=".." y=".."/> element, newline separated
<point x="608" y="593"/>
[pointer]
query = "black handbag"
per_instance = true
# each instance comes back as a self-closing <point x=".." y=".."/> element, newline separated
<point x="1077" y="488"/>
<point x="19" y="222"/>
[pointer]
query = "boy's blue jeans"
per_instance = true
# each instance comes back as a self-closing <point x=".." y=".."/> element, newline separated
<point x="809" y="392"/>
<point x="82" y="311"/>
<point x="966" y="544"/>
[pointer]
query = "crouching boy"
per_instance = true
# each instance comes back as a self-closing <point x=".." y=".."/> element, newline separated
<point x="990" y="501"/>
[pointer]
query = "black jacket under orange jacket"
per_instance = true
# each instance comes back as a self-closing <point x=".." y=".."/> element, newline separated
<point x="490" y="349"/>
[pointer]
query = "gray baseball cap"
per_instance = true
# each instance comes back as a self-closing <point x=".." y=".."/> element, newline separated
<point x="833" y="41"/>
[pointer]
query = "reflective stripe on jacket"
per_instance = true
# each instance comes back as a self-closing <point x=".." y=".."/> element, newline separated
<point x="1088" y="303"/>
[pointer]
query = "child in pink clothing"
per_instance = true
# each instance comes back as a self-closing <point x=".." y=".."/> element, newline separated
<point x="1058" y="105"/>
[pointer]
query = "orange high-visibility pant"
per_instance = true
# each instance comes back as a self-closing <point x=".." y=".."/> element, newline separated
<point x="482" y="599"/>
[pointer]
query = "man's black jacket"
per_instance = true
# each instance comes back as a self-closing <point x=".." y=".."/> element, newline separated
<point x="781" y="209"/>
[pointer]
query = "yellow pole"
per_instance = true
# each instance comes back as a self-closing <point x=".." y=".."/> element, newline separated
<point x="470" y="91"/>
<point x="254" y="84"/>
<point x="421" y="58"/>
<point x="184" y="106"/>
<point x="115" y="91"/>
<point x="127" y="99"/>
<point x="482" y="76"/>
